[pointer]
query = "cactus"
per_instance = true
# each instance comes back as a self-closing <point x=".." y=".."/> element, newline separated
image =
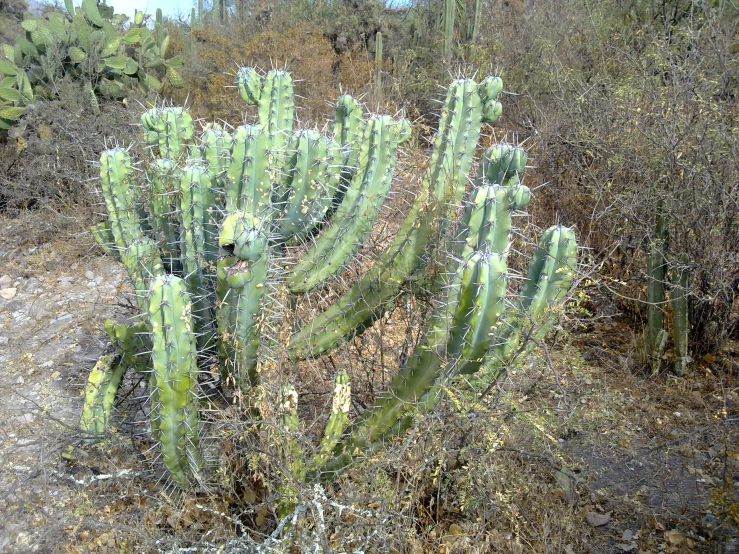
<point x="680" y="322"/>
<point x="359" y="209"/>
<point x="447" y="23"/>
<point x="102" y="385"/>
<point x="174" y="405"/>
<point x="93" y="47"/>
<point x="443" y="183"/>
<point x="378" y="67"/>
<point x="226" y="212"/>
<point x="655" y="335"/>
<point x="167" y="130"/>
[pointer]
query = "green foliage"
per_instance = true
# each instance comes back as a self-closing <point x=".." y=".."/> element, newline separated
<point x="89" y="45"/>
<point x="235" y="216"/>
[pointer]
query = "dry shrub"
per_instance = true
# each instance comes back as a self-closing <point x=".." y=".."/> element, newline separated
<point x="209" y="76"/>
<point x="355" y="70"/>
<point x="301" y="50"/>
<point x="51" y="162"/>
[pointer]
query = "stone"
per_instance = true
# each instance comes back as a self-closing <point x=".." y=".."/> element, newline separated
<point x="89" y="275"/>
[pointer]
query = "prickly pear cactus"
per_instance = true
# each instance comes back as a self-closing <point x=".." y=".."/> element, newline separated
<point x="234" y="223"/>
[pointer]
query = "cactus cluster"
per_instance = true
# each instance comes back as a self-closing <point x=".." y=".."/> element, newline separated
<point x="89" y="44"/>
<point x="207" y="258"/>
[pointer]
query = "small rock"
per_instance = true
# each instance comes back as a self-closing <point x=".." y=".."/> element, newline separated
<point x="19" y="380"/>
<point x="595" y="519"/>
<point x="455" y="529"/>
<point x="4" y="341"/>
<point x="24" y="419"/>
<point x="98" y="280"/>
<point x="5" y="282"/>
<point x="9" y="293"/>
<point x="89" y="275"/>
<point x="40" y="313"/>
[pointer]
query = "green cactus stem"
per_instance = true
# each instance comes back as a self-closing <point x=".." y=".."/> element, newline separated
<point x="198" y="230"/>
<point x="103" y="234"/>
<point x="239" y="290"/>
<point x="167" y="131"/>
<point x="251" y="172"/>
<point x="308" y="185"/>
<point x="102" y="385"/>
<point x="680" y="320"/>
<point x="655" y="334"/>
<point x="336" y="423"/>
<point x="474" y="302"/>
<point x="443" y="183"/>
<point x="163" y="188"/>
<point x="348" y="130"/>
<point x="549" y="277"/>
<point x="378" y="67"/>
<point x="447" y="32"/>
<point x="121" y="193"/>
<point x="277" y="109"/>
<point x="174" y="402"/>
<point x="359" y="209"/>
<point x="473" y="29"/>
<point x="215" y="148"/>
<point x="249" y="83"/>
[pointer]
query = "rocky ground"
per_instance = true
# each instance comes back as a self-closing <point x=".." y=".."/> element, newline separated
<point x="618" y="462"/>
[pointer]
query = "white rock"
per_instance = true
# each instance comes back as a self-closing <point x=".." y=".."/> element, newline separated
<point x="89" y="275"/>
<point x="9" y="293"/>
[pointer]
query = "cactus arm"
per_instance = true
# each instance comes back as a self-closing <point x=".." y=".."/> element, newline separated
<point x="358" y="211"/>
<point x="131" y="342"/>
<point x="276" y="110"/>
<point x="161" y="176"/>
<point x="143" y="263"/>
<point x="174" y="411"/>
<point x="656" y="335"/>
<point x="118" y="183"/>
<point x="249" y="84"/>
<point x="240" y="290"/>
<point x="197" y="232"/>
<point x="102" y="385"/>
<point x="490" y="89"/>
<point x="249" y="175"/>
<point x="308" y="185"/>
<point x="215" y="148"/>
<point x="103" y="234"/>
<point x="457" y="330"/>
<point x="360" y="307"/>
<point x="548" y="280"/>
<point x="167" y="131"/>
<point x="681" y="324"/>
<point x="337" y="420"/>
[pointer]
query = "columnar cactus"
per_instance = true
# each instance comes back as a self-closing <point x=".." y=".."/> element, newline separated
<point x="174" y="403"/>
<point x="226" y="213"/>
